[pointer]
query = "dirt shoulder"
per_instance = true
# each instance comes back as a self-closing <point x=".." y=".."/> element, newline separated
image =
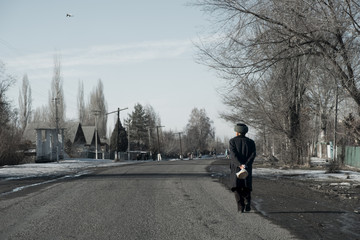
<point x="309" y="209"/>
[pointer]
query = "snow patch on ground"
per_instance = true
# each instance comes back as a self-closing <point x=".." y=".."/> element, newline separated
<point x="82" y="166"/>
<point x="308" y="174"/>
<point x="60" y="168"/>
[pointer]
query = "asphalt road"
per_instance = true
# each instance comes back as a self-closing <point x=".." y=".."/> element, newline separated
<point x="154" y="200"/>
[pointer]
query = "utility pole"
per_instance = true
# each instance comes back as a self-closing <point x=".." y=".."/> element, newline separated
<point x="118" y="130"/>
<point x="96" y="114"/>
<point x="335" y="121"/>
<point x="57" y="128"/>
<point x="158" y="140"/>
<point x="181" y="153"/>
<point x="128" y="132"/>
<point x="150" y="142"/>
<point x="117" y="135"/>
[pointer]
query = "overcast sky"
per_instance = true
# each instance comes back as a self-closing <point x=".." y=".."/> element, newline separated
<point x="143" y="51"/>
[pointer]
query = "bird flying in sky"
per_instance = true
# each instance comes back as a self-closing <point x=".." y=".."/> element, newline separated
<point x="69" y="15"/>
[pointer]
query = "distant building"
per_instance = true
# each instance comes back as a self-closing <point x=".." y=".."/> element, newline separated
<point x="75" y="140"/>
<point x="49" y="147"/>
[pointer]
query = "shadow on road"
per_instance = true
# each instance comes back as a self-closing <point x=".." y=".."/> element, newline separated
<point x="306" y="212"/>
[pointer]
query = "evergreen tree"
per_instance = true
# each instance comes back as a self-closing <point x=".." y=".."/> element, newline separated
<point x="139" y="128"/>
<point x="119" y="139"/>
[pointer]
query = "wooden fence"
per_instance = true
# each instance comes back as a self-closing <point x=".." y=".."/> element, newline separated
<point x="350" y="155"/>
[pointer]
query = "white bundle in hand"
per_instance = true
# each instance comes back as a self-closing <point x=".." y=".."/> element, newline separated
<point x="242" y="174"/>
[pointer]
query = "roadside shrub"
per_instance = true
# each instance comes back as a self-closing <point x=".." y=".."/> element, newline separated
<point x="333" y="167"/>
<point x="10" y="153"/>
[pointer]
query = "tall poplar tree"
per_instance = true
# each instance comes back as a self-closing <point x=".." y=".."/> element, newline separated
<point x="57" y="98"/>
<point x="25" y="103"/>
<point x="98" y="107"/>
<point x="81" y="102"/>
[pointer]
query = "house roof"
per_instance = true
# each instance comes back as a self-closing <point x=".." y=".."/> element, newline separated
<point x="89" y="133"/>
<point x="29" y="134"/>
<point x="71" y="130"/>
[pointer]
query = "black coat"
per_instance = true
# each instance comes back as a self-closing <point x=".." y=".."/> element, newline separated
<point x="242" y="151"/>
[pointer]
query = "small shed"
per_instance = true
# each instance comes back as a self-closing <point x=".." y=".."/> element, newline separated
<point x="49" y="145"/>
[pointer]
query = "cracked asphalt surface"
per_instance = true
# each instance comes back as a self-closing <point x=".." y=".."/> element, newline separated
<point x="153" y="200"/>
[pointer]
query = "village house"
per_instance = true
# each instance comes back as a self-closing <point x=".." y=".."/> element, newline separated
<point x="75" y="140"/>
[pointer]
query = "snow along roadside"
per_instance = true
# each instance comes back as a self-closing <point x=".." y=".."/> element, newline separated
<point x="61" y="168"/>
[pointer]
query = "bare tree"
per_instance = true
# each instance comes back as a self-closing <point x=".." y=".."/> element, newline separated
<point x="57" y="99"/>
<point x="5" y="108"/>
<point x="81" y="103"/>
<point x="267" y="50"/>
<point x="153" y="120"/>
<point x="41" y="114"/>
<point x="273" y="105"/>
<point x="25" y="103"/>
<point x="325" y="29"/>
<point x="199" y="130"/>
<point x="321" y="100"/>
<point x="98" y="105"/>
<point x="9" y="134"/>
<point x="170" y="147"/>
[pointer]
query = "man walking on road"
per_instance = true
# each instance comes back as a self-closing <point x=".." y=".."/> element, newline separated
<point x="242" y="152"/>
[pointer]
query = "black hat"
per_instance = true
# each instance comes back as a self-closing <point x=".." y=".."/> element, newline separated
<point x="241" y="128"/>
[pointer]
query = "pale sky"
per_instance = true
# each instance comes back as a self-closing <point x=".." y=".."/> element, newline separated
<point x="142" y="51"/>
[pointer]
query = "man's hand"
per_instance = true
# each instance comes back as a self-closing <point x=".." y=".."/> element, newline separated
<point x="242" y="166"/>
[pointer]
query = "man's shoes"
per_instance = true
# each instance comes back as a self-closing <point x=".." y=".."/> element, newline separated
<point x="247" y="208"/>
<point x="241" y="208"/>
